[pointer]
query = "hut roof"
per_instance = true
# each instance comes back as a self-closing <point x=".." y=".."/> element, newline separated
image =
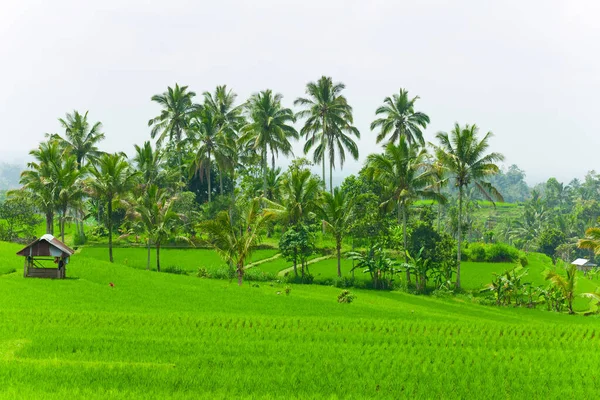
<point x="47" y="245"/>
<point x="582" y="262"/>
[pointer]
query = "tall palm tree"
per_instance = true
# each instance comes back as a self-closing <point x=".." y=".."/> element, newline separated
<point x="403" y="172"/>
<point x="212" y="140"/>
<point x="400" y="119"/>
<point x="465" y="158"/>
<point x="235" y="238"/>
<point x="81" y="138"/>
<point x="177" y="108"/>
<point x="112" y="176"/>
<point x="336" y="211"/>
<point x="154" y="210"/>
<point x="591" y="240"/>
<point x="230" y="119"/>
<point x="328" y="126"/>
<point x="40" y="179"/>
<point x="269" y="128"/>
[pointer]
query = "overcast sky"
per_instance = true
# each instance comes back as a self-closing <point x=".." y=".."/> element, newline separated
<point x="529" y="71"/>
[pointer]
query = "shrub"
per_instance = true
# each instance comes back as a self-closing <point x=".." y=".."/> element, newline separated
<point x="203" y="273"/>
<point x="345" y="297"/>
<point x="500" y="252"/>
<point x="173" y="269"/>
<point x="255" y="274"/>
<point x="344" y="282"/>
<point x="523" y="260"/>
<point x="477" y="252"/>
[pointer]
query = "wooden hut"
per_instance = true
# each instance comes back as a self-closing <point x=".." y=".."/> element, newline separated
<point x="583" y="265"/>
<point x="46" y="248"/>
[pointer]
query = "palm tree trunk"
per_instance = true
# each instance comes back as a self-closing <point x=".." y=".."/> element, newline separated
<point x="272" y="160"/>
<point x="264" y="159"/>
<point x="459" y="237"/>
<point x="338" y="248"/>
<point x="208" y="173"/>
<point x="50" y="222"/>
<point x="148" y="257"/>
<point x="220" y="182"/>
<point x="439" y="217"/>
<point x="331" y="176"/>
<point x="158" y="256"/>
<point x="240" y="273"/>
<point x="110" y="249"/>
<point x="405" y="242"/>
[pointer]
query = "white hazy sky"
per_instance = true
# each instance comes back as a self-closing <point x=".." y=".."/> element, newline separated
<point x="529" y="71"/>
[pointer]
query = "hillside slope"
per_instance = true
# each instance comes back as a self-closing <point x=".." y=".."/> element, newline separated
<point x="156" y="335"/>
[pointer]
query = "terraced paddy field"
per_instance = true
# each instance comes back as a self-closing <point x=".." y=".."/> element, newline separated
<point x="154" y="336"/>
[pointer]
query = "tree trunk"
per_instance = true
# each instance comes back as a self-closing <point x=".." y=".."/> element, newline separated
<point x="208" y="174"/>
<point x="296" y="265"/>
<point x="240" y="273"/>
<point x="459" y="237"/>
<point x="62" y="226"/>
<point x="157" y="256"/>
<point x="338" y="248"/>
<point x="220" y="182"/>
<point x="148" y="258"/>
<point x="331" y="177"/>
<point x="439" y="217"/>
<point x="404" y="239"/>
<point x="272" y="160"/>
<point x="50" y="222"/>
<point x="264" y="159"/>
<point x="110" y="249"/>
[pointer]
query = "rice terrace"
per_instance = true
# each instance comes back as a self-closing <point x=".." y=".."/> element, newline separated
<point x="313" y="229"/>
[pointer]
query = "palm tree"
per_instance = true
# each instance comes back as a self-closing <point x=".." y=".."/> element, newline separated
<point x="403" y="172"/>
<point x="69" y="188"/>
<point x="566" y="284"/>
<point x="400" y="119"/>
<point x="230" y="119"/>
<point x="463" y="155"/>
<point x="269" y="128"/>
<point x="299" y="194"/>
<point x="213" y="140"/>
<point x="328" y="123"/>
<point x="234" y="239"/>
<point x="173" y="121"/>
<point x="335" y="211"/>
<point x="149" y="164"/>
<point x="112" y="177"/>
<point x="591" y="240"/>
<point x="40" y="179"/>
<point x="80" y="138"/>
<point x="154" y="209"/>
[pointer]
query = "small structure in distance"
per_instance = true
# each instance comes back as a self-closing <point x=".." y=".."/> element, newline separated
<point x="46" y="248"/>
<point x="583" y="265"/>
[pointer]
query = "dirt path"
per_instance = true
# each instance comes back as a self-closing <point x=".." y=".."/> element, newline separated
<point x="254" y="264"/>
<point x="313" y="261"/>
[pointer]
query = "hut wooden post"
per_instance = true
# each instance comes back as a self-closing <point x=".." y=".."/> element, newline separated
<point x="26" y="267"/>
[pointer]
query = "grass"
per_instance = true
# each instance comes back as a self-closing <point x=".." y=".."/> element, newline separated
<point x="186" y="259"/>
<point x="174" y="336"/>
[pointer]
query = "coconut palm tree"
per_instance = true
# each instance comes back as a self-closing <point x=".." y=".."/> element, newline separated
<point x="149" y="163"/>
<point x="400" y="119"/>
<point x="69" y="188"/>
<point x="212" y="139"/>
<point x="336" y="210"/>
<point x="566" y="284"/>
<point x="235" y="238"/>
<point x="465" y="158"/>
<point x="299" y="194"/>
<point x="230" y="119"/>
<point x="80" y="139"/>
<point x="154" y="210"/>
<point x="591" y="240"/>
<point x="403" y="172"/>
<point x="268" y="128"/>
<point x="112" y="177"/>
<point x="173" y="122"/>
<point x="40" y="179"/>
<point x="328" y="125"/>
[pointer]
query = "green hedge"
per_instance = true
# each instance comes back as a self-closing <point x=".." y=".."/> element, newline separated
<point x="484" y="252"/>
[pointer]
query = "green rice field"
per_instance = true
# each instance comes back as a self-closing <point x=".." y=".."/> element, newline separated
<point x="166" y="336"/>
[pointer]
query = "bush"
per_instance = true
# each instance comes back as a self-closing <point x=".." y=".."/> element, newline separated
<point x="523" y="260"/>
<point x="308" y="278"/>
<point x="256" y="275"/>
<point x="203" y="273"/>
<point x="173" y="269"/>
<point x="345" y="297"/>
<point x="500" y="252"/>
<point x="344" y="282"/>
<point x="477" y="252"/>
